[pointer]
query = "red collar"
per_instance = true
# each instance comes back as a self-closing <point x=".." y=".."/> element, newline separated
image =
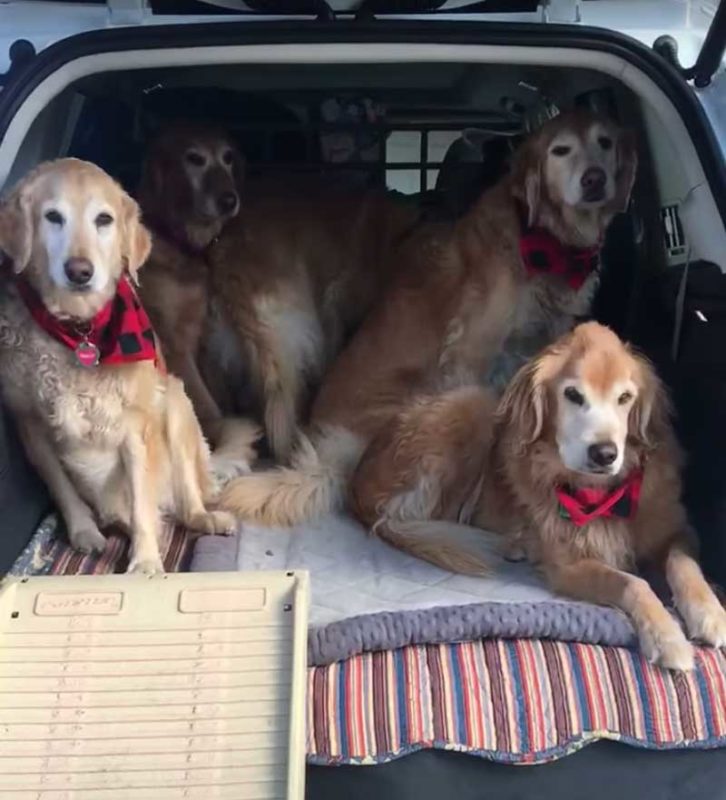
<point x="543" y="253"/>
<point x="120" y="333"/>
<point x="581" y="506"/>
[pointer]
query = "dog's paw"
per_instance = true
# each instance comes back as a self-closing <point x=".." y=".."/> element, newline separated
<point x="146" y="566"/>
<point x="88" y="539"/>
<point x="707" y="624"/>
<point x="213" y="523"/>
<point x="667" y="647"/>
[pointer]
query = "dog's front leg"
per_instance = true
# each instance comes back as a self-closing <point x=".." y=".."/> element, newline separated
<point x="144" y="513"/>
<point x="82" y="530"/>
<point x="660" y="635"/>
<point x="703" y="614"/>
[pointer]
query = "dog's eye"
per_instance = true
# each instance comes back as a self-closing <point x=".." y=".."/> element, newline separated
<point x="625" y="398"/>
<point x="561" y="150"/>
<point x="605" y="142"/>
<point x="195" y="159"/>
<point x="54" y="217"/>
<point x="574" y="396"/>
<point x="227" y="157"/>
<point x="103" y="219"/>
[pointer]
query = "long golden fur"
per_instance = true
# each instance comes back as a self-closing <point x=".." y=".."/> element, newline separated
<point x="116" y="444"/>
<point x="439" y="468"/>
<point x="267" y="296"/>
<point x="292" y="279"/>
<point x="461" y="309"/>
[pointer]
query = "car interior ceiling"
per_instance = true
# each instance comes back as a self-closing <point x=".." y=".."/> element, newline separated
<point x="400" y="127"/>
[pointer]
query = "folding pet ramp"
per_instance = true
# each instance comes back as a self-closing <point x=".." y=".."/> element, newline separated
<point x="176" y="686"/>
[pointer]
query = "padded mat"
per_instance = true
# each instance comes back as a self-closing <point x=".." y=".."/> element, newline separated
<point x="368" y="596"/>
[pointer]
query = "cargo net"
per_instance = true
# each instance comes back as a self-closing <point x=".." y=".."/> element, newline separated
<point x="362" y="142"/>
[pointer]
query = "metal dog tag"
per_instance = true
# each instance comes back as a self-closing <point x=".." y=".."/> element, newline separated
<point x="87" y="354"/>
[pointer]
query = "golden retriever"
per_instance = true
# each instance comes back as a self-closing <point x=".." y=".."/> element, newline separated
<point x="472" y="300"/>
<point x="292" y="280"/>
<point x="113" y="437"/>
<point x="190" y="189"/>
<point x="579" y="467"/>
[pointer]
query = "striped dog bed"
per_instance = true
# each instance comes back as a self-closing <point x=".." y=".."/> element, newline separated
<point x="511" y="701"/>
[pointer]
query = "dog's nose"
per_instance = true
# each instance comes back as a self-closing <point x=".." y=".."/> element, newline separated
<point x="79" y="271"/>
<point x="593" y="181"/>
<point x="602" y="454"/>
<point x="227" y="202"/>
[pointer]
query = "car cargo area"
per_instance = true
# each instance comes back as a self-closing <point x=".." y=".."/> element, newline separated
<point x="434" y="124"/>
<point x="435" y="134"/>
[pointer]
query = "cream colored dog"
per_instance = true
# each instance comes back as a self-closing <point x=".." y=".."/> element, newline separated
<point x="114" y="438"/>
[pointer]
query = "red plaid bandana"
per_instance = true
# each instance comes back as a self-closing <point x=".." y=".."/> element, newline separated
<point x="581" y="506"/>
<point x="543" y="253"/>
<point x="120" y="333"/>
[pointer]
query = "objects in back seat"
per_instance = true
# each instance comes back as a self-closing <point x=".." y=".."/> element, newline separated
<point x="472" y="164"/>
<point x="352" y="134"/>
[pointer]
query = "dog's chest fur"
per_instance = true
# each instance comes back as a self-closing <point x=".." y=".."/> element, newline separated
<point x="605" y="540"/>
<point x="545" y="309"/>
<point x="40" y="378"/>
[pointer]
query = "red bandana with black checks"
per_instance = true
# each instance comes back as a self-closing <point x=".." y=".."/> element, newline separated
<point x="544" y="254"/>
<point x="584" y="505"/>
<point x="121" y="331"/>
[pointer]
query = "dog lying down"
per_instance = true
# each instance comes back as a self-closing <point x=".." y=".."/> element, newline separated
<point x="113" y="436"/>
<point x="578" y="466"/>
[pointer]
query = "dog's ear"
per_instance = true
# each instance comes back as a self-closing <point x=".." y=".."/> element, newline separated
<point x="625" y="170"/>
<point x="16" y="227"/>
<point x="527" y="176"/>
<point x="523" y="405"/>
<point x="650" y="417"/>
<point x="135" y="238"/>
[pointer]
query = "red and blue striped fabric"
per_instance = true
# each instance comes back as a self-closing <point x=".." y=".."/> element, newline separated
<point x="520" y="701"/>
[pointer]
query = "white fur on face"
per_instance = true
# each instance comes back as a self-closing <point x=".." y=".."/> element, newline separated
<point x="199" y="160"/>
<point x="569" y="157"/>
<point x="79" y="228"/>
<point x="586" y="417"/>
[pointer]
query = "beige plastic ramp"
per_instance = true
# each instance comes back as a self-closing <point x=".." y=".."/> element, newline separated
<point x="177" y="686"/>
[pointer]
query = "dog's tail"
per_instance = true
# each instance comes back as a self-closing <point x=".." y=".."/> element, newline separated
<point x="450" y="545"/>
<point x="313" y="485"/>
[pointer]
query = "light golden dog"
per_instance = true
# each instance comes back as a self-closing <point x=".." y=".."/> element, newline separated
<point x="581" y="471"/>
<point x="256" y="302"/>
<point x="470" y="303"/>
<point x="113" y="437"/>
